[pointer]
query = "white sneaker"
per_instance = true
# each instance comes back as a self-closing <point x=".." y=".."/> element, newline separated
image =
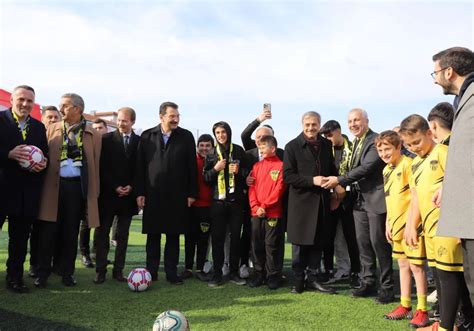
<point x="433" y="297"/>
<point x="225" y="269"/>
<point x="244" y="271"/>
<point x="207" y="267"/>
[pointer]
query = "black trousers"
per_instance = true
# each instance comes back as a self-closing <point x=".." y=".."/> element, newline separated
<point x="85" y="238"/>
<point x="63" y="233"/>
<point x="267" y="236"/>
<point x="452" y="293"/>
<point x="468" y="264"/>
<point x="197" y="238"/>
<point x="226" y="214"/>
<point x="345" y="216"/>
<point x="245" y="238"/>
<point x="309" y="256"/>
<point x="171" y="255"/>
<point x="102" y="242"/>
<point x="370" y="232"/>
<point x="19" y="228"/>
<point x="34" y="238"/>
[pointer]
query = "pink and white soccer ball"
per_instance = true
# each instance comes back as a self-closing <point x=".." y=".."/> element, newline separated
<point x="35" y="156"/>
<point x="139" y="279"/>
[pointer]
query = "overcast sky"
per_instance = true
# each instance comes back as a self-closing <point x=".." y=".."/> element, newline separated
<point x="221" y="60"/>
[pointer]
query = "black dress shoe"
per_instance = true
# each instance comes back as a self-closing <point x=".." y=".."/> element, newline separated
<point x="32" y="272"/>
<point x="273" y="282"/>
<point x="40" y="282"/>
<point x="186" y="274"/>
<point x="69" y="281"/>
<point x="299" y="287"/>
<point x="365" y="291"/>
<point x="384" y="297"/>
<point x="317" y="286"/>
<point x="87" y="262"/>
<point x="17" y="286"/>
<point x="175" y="280"/>
<point x="99" y="278"/>
<point x="119" y="276"/>
<point x="256" y="281"/>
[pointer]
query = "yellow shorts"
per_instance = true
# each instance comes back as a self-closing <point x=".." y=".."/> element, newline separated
<point x="400" y="250"/>
<point x="444" y="253"/>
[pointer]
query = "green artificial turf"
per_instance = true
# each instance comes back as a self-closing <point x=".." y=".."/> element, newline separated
<point x="112" y="306"/>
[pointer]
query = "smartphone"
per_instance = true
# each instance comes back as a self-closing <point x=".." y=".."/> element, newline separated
<point x="267" y="106"/>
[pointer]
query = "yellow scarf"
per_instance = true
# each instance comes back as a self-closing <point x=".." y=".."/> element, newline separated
<point x="221" y="186"/>
<point x="26" y="126"/>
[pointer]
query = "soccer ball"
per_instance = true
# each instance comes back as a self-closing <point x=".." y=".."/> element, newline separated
<point x="171" y="320"/>
<point x="35" y="156"/>
<point x="139" y="279"/>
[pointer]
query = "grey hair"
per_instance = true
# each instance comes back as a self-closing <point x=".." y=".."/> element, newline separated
<point x="266" y="128"/>
<point x="76" y="100"/>
<point x="311" y="114"/>
<point x="360" y="110"/>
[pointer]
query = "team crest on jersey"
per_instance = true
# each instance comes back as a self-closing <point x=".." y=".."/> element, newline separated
<point x="272" y="222"/>
<point x="204" y="227"/>
<point x="434" y="165"/>
<point x="399" y="175"/>
<point x="442" y="251"/>
<point x="274" y="175"/>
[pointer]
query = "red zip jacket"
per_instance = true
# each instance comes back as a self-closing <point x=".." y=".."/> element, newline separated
<point x="268" y="189"/>
<point x="204" y="198"/>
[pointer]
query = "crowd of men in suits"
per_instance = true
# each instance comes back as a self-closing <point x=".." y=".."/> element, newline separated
<point x="93" y="180"/>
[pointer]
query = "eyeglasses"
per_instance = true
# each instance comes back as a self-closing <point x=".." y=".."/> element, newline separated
<point x="434" y="73"/>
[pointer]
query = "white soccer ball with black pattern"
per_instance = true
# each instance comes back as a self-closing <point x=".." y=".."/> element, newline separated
<point x="171" y="320"/>
<point x="35" y="156"/>
<point x="139" y="279"/>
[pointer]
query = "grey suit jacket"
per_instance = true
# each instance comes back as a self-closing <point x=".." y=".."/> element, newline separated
<point x="457" y="203"/>
<point x="368" y="174"/>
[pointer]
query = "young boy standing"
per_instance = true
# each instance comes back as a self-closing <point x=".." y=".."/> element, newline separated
<point x="444" y="254"/>
<point x="265" y="197"/>
<point x="396" y="176"/>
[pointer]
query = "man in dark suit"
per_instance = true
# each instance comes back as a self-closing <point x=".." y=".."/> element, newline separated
<point x="21" y="188"/>
<point x="308" y="158"/>
<point x="366" y="182"/>
<point x="166" y="186"/>
<point x="117" y="166"/>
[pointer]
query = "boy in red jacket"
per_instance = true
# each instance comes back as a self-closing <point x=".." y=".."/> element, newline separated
<point x="265" y="197"/>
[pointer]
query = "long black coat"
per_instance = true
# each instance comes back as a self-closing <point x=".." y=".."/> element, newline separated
<point x="117" y="168"/>
<point x="305" y="199"/>
<point x="20" y="190"/>
<point x="166" y="176"/>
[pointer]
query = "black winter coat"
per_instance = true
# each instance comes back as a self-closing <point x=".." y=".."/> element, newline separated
<point x="305" y="199"/>
<point x="166" y="176"/>
<point x="20" y="190"/>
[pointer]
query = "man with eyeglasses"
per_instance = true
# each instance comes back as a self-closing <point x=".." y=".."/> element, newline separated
<point x="454" y="72"/>
<point x="70" y="191"/>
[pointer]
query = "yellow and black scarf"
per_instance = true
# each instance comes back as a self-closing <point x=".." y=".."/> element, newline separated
<point x="72" y="143"/>
<point x="26" y="126"/>
<point x="221" y="184"/>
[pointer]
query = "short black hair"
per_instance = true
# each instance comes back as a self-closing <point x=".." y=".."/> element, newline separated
<point x="100" y="121"/>
<point x="165" y="105"/>
<point x="205" y="138"/>
<point x="269" y="140"/>
<point x="443" y="114"/>
<point x="330" y="126"/>
<point x="461" y="59"/>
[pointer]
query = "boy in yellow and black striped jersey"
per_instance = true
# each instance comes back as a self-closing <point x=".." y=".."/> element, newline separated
<point x="396" y="176"/>
<point x="444" y="254"/>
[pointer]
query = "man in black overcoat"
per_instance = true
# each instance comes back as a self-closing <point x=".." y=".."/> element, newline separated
<point x="307" y="159"/>
<point x="166" y="186"/>
<point x="21" y="188"/>
<point x="118" y="159"/>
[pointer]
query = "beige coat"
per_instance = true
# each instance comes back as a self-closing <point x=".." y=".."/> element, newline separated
<point x="92" y="143"/>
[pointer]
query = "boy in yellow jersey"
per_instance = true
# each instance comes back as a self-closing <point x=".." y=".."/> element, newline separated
<point x="444" y="254"/>
<point x="396" y="176"/>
